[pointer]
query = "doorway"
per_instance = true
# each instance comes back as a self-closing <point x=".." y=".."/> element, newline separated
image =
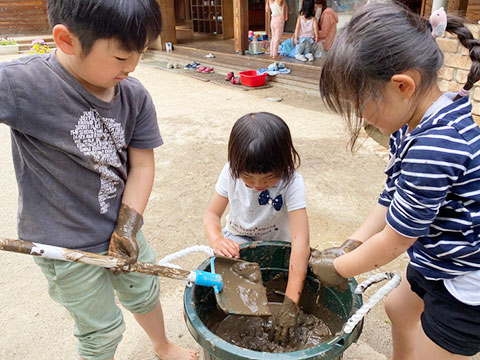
<point x="256" y="15"/>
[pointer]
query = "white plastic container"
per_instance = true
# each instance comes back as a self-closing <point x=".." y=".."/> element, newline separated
<point x="8" y="49"/>
<point x="255" y="47"/>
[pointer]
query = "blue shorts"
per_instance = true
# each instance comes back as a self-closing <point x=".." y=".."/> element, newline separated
<point x="88" y="293"/>
<point x="449" y="323"/>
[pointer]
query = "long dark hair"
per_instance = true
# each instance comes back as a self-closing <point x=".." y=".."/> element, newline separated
<point x="324" y="6"/>
<point x="308" y="8"/>
<point x="133" y="23"/>
<point x="382" y="40"/>
<point x="261" y="143"/>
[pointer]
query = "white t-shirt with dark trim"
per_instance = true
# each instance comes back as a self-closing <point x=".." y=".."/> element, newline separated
<point x="260" y="222"/>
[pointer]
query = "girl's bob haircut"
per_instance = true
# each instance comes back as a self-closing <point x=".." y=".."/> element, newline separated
<point x="261" y="143"/>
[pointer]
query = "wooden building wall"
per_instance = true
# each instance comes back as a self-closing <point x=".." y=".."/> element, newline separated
<point x="468" y="8"/>
<point x="473" y="10"/>
<point x="23" y="17"/>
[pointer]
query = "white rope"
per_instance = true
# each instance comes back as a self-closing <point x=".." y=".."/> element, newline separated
<point x="166" y="261"/>
<point x="394" y="281"/>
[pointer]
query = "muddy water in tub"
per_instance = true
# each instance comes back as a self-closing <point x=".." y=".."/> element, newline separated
<point x="315" y="324"/>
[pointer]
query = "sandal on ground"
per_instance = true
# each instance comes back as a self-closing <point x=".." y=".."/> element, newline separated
<point x="235" y="80"/>
<point x="200" y="68"/>
<point x="191" y="66"/>
<point x="208" y="69"/>
<point x="229" y="76"/>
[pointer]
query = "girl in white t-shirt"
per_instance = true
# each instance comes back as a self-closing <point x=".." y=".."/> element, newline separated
<point x="267" y="202"/>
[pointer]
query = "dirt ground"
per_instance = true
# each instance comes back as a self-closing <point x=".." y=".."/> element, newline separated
<point x="195" y="119"/>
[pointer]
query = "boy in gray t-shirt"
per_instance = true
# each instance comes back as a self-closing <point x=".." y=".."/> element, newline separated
<point x="83" y="135"/>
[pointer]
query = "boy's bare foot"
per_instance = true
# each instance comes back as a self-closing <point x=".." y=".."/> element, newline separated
<point x="175" y="352"/>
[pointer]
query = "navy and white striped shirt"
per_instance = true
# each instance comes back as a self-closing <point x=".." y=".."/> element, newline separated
<point x="433" y="190"/>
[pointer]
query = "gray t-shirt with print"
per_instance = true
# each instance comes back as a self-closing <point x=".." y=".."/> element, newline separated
<point x="70" y="150"/>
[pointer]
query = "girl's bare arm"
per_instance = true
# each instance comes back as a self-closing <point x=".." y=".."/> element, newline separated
<point x="300" y="239"/>
<point x="373" y="224"/>
<point x="297" y="30"/>
<point x="379" y="250"/>
<point x="213" y="230"/>
<point x="315" y="30"/>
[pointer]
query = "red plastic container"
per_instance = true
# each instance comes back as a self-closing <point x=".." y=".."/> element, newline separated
<point x="250" y="78"/>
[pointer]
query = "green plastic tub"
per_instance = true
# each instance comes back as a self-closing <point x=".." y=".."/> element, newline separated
<point x="273" y="257"/>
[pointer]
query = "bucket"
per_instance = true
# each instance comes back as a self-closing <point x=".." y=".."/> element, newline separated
<point x="273" y="257"/>
<point x="250" y="78"/>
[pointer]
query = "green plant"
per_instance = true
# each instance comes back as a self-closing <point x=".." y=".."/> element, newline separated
<point x="7" y="41"/>
<point x="39" y="46"/>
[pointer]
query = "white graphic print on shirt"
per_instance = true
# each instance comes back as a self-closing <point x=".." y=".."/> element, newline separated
<point x="101" y="138"/>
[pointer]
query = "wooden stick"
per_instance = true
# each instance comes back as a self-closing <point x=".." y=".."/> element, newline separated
<point x="64" y="254"/>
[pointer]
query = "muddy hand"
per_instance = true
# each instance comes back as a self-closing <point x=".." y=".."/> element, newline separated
<point x="321" y="264"/>
<point x="284" y="322"/>
<point x="350" y="245"/>
<point x="123" y="242"/>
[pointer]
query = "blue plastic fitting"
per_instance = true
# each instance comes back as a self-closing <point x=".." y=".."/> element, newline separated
<point x="205" y="278"/>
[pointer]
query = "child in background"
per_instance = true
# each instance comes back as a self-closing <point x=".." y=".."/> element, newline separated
<point x="306" y="32"/>
<point x="83" y="155"/>
<point x="383" y="68"/>
<point x="277" y="22"/>
<point x="267" y="202"/>
<point x="327" y="23"/>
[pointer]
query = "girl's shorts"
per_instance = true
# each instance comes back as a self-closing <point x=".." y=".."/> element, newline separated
<point x="449" y="323"/>
<point x="88" y="293"/>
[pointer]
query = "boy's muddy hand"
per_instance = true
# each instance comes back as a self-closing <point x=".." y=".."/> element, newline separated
<point x="226" y="247"/>
<point x="284" y="322"/>
<point x="123" y="242"/>
<point x="321" y="264"/>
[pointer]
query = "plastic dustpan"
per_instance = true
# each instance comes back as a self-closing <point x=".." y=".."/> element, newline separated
<point x="243" y="292"/>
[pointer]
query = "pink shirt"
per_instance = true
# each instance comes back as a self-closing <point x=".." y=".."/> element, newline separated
<point x="328" y="28"/>
<point x="306" y="27"/>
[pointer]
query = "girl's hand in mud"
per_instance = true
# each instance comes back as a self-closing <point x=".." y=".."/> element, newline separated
<point x="284" y="322"/>
<point x="226" y="247"/>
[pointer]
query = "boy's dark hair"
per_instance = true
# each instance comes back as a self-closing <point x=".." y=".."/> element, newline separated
<point x="261" y="143"/>
<point x="382" y="40"/>
<point x="134" y="23"/>
<point x="308" y="8"/>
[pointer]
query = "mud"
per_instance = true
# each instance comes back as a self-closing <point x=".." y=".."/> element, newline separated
<point x="321" y="264"/>
<point x="22" y="247"/>
<point x="315" y="323"/>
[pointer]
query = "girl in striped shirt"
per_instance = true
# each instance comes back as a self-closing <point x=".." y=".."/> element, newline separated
<point x="383" y="68"/>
